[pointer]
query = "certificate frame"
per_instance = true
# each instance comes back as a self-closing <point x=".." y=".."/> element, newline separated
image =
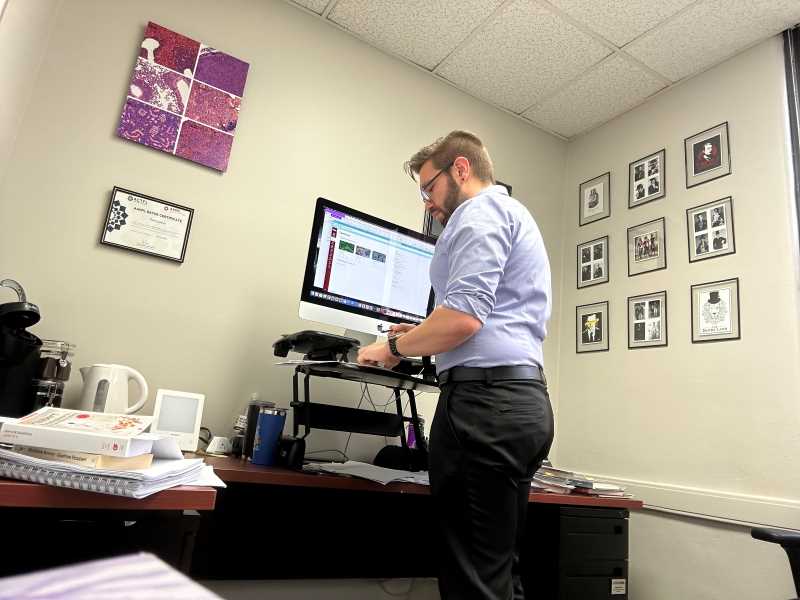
<point x="719" y="321"/>
<point x="126" y="208"/>
<point x="592" y="262"/>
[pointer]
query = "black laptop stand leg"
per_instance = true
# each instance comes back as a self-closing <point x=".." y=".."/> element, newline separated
<point x="399" y="401"/>
<point x="419" y="435"/>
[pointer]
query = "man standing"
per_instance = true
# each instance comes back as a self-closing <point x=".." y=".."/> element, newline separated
<point x="493" y="424"/>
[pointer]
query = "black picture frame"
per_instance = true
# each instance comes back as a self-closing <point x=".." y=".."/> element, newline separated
<point x="695" y="299"/>
<point x="117" y="217"/>
<point x="700" y="170"/>
<point x="635" y="235"/>
<point x="593" y="263"/>
<point x="706" y="224"/>
<point x="647" y="320"/>
<point x="602" y="343"/>
<point x="639" y="197"/>
<point x="601" y="183"/>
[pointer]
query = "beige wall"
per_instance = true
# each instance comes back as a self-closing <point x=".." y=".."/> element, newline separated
<point x="323" y="115"/>
<point x="709" y="429"/>
<point x="24" y="33"/>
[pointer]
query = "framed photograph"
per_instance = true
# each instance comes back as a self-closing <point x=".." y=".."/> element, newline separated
<point x="715" y="311"/>
<point x="594" y="199"/>
<point x="593" y="262"/>
<point x="647" y="247"/>
<point x="147" y="225"/>
<point x="646" y="179"/>
<point x="647" y="320"/>
<point x="709" y="230"/>
<point x="707" y="155"/>
<point x="591" y="327"/>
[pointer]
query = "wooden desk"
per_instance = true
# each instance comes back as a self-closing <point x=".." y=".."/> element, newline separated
<point x="235" y="470"/>
<point x="79" y="525"/>
<point x="329" y="526"/>
<point x="21" y="494"/>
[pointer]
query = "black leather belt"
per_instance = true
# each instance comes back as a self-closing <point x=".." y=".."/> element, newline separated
<point x="491" y="374"/>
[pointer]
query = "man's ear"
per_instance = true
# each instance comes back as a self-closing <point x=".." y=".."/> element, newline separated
<point x="463" y="168"/>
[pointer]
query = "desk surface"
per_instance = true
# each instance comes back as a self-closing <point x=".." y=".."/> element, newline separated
<point x="239" y="470"/>
<point x="21" y="494"/>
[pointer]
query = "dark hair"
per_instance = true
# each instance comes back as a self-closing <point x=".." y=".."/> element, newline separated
<point x="445" y="150"/>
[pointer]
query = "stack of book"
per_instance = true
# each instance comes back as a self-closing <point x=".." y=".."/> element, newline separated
<point x="97" y="452"/>
<point x="558" y="481"/>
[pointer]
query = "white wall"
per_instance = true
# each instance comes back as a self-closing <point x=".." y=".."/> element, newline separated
<point x="711" y="429"/>
<point x="323" y="115"/>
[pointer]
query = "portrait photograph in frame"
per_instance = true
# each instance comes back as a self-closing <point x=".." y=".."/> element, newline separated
<point x="591" y="327"/>
<point x="147" y="225"/>
<point x="592" y="262"/>
<point x="647" y="179"/>
<point x="647" y="247"/>
<point x="709" y="230"/>
<point x="594" y="199"/>
<point x="707" y="155"/>
<point x="715" y="311"/>
<point x="647" y="320"/>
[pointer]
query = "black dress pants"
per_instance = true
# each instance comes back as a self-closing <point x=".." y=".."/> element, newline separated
<point x="486" y="442"/>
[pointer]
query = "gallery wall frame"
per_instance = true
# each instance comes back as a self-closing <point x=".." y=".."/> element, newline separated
<point x="592" y="262"/>
<point x="647" y="179"/>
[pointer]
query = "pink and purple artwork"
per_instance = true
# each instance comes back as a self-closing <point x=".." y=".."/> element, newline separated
<point x="184" y="98"/>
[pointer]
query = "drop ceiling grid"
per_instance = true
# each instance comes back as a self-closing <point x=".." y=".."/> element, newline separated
<point x="520" y="56"/>
<point x="620" y="22"/>
<point x="316" y="6"/>
<point x="422" y="31"/>
<point x="710" y="32"/>
<point x="612" y="88"/>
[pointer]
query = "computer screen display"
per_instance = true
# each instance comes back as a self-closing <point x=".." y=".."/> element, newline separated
<point x="364" y="273"/>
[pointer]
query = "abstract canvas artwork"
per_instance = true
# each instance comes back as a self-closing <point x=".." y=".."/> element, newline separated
<point x="184" y="98"/>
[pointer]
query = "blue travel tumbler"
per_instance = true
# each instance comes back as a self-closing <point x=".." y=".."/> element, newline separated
<point x="268" y="432"/>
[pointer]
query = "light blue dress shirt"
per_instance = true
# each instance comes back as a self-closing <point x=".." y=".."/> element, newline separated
<point x="490" y="262"/>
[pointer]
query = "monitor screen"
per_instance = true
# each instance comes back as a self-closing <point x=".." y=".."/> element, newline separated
<point x="364" y="273"/>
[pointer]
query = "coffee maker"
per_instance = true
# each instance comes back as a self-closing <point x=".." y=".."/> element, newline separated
<point x="19" y="352"/>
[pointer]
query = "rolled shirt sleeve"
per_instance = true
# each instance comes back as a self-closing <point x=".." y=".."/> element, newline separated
<point x="478" y="253"/>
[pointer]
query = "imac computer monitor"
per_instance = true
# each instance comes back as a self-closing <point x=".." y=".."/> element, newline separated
<point x="364" y="273"/>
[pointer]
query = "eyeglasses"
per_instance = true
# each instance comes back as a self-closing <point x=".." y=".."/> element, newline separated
<point x="423" y="189"/>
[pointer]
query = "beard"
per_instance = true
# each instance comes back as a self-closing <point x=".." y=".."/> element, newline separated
<point x="451" y="200"/>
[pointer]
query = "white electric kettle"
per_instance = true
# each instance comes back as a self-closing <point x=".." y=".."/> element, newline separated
<point x="105" y="389"/>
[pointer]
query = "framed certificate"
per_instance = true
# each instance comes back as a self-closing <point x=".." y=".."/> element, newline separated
<point x="148" y="225"/>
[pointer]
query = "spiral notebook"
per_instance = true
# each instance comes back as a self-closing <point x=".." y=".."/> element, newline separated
<point x="163" y="474"/>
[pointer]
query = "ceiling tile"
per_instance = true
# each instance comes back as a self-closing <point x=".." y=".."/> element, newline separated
<point x="620" y="22"/>
<point x="522" y="55"/>
<point x="316" y="5"/>
<point x="710" y="32"/>
<point x="613" y="87"/>
<point x="423" y="31"/>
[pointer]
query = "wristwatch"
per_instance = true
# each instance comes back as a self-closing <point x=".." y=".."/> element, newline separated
<point x="393" y="348"/>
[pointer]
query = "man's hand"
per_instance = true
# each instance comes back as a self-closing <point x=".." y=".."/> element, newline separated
<point x="399" y="328"/>
<point x="377" y="353"/>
